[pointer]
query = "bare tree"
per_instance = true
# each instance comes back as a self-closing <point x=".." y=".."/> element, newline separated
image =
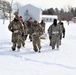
<point x="16" y="7"/>
<point x="4" y="7"/>
<point x="10" y="10"/>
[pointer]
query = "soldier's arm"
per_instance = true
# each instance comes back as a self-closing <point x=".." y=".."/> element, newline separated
<point x="21" y="26"/>
<point x="10" y="26"/>
<point x="63" y="31"/>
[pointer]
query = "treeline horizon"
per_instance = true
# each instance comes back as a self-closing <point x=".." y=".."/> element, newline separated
<point x="62" y="14"/>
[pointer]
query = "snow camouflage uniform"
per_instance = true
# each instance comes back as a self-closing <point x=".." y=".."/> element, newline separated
<point x="43" y="26"/>
<point x="17" y="31"/>
<point x="54" y="34"/>
<point x="36" y="32"/>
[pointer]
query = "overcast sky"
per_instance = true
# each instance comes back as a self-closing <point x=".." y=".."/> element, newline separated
<point x="48" y="3"/>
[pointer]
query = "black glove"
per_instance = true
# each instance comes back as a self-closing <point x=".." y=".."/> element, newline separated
<point x="23" y="23"/>
<point x="50" y="37"/>
<point x="12" y="30"/>
<point x="22" y="34"/>
<point x="63" y="36"/>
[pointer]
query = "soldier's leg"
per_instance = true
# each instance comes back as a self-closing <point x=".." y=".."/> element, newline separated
<point x="30" y="37"/>
<point x="50" y="40"/>
<point x="60" y="39"/>
<point x="58" y="43"/>
<point x="34" y="45"/>
<point x="14" y="46"/>
<point x="19" y="41"/>
<point x="23" y="41"/>
<point x="19" y="45"/>
<point x="43" y="30"/>
<point x="26" y="37"/>
<point x="53" y="45"/>
<point x="14" y="42"/>
<point x="38" y="43"/>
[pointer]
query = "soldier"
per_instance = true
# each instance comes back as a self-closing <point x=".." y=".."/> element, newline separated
<point x="36" y="32"/>
<point x="29" y="24"/>
<point x="17" y="31"/>
<point x="54" y="34"/>
<point x="23" y="36"/>
<point x="63" y="30"/>
<point x="43" y="25"/>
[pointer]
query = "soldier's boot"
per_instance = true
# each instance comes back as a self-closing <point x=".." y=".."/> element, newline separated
<point x="23" y="44"/>
<point x="26" y="37"/>
<point x="18" y="47"/>
<point x="13" y="48"/>
<point x="35" y="48"/>
<point x="60" y="42"/>
<point x="50" y="44"/>
<point x="39" y="49"/>
<point x="30" y="37"/>
<point x="53" y="47"/>
<point x="57" y="45"/>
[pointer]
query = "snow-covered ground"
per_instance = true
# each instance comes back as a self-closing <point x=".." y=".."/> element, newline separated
<point x="48" y="62"/>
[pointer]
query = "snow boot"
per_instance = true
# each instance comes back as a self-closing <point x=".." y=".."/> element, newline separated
<point x="39" y="49"/>
<point x="13" y="49"/>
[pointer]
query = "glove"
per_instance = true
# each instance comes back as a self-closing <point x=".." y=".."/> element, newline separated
<point x="63" y="36"/>
<point x="50" y="37"/>
<point x="12" y="30"/>
<point x="22" y="34"/>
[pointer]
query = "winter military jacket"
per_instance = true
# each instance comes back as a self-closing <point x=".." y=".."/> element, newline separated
<point x="36" y="30"/>
<point x="25" y="29"/>
<point x="43" y="26"/>
<point x="29" y="25"/>
<point x="54" y="30"/>
<point x="16" y="27"/>
<point x="63" y="28"/>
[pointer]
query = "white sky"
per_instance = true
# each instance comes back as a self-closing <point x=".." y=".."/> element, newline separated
<point x="48" y="3"/>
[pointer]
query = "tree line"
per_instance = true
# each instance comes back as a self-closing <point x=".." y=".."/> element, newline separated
<point x="62" y="14"/>
<point x="5" y="6"/>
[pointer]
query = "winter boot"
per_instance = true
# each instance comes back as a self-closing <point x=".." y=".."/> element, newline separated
<point x="39" y="49"/>
<point x="18" y="48"/>
<point x="13" y="49"/>
<point x="35" y="49"/>
<point x="53" y="47"/>
<point x="23" y="44"/>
